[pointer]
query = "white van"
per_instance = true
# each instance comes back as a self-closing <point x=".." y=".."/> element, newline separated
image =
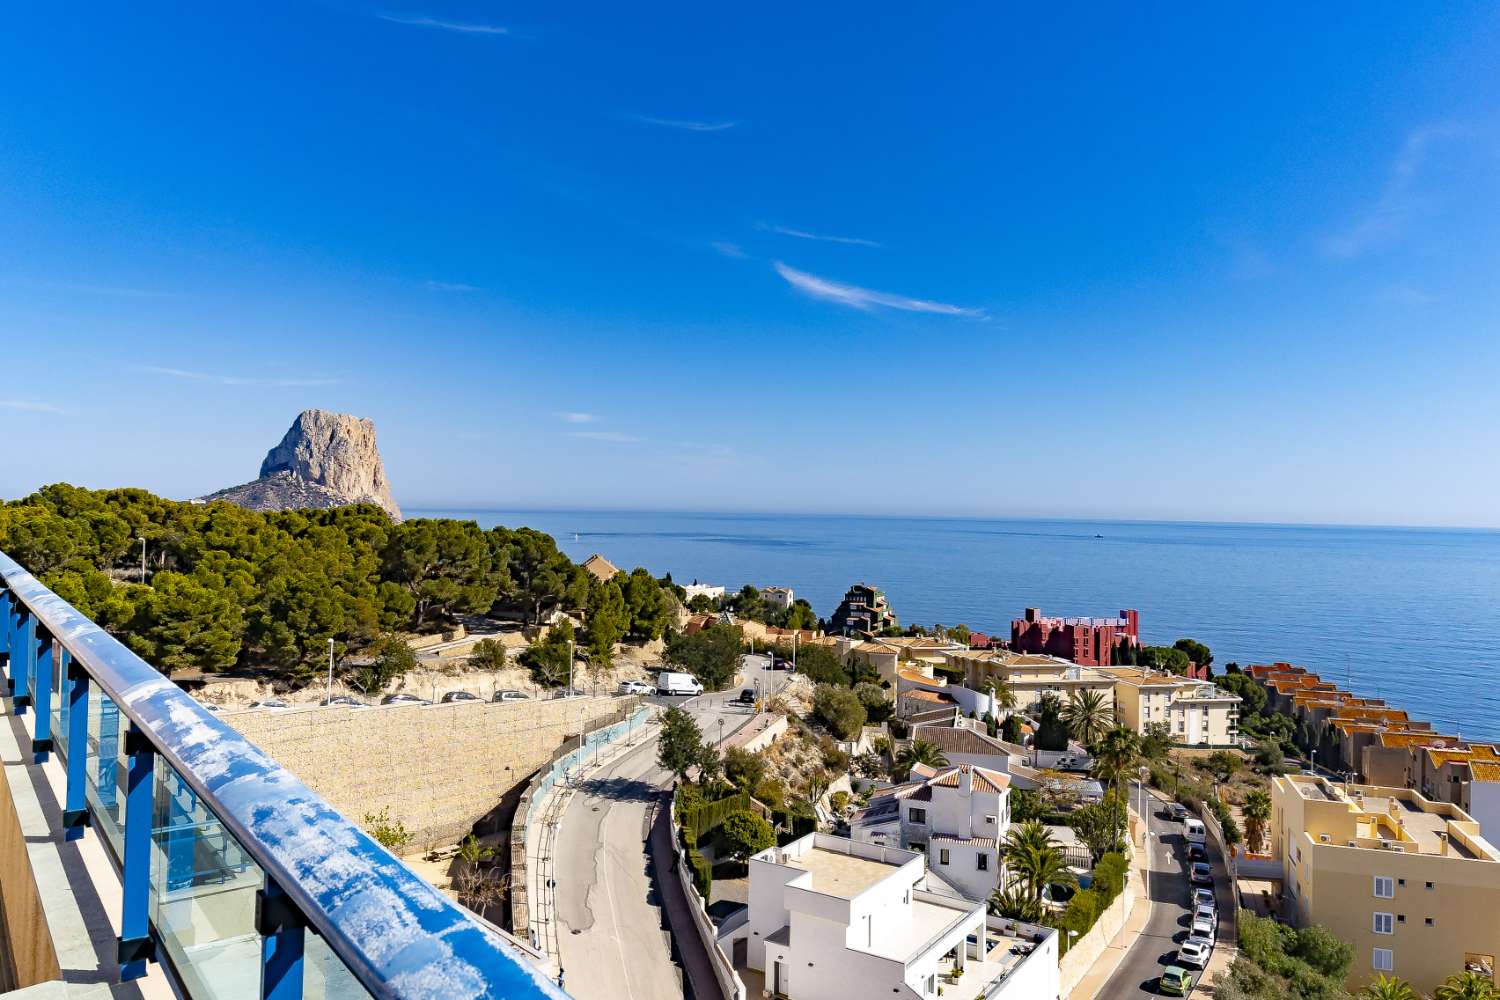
<point x="669" y="684"/>
<point x="1193" y="830"/>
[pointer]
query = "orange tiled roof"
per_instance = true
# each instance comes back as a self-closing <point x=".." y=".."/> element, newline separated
<point x="1483" y="770"/>
<point x="984" y="779"/>
<point x="1418" y="739"/>
<point x="937" y="696"/>
<point x="917" y="677"/>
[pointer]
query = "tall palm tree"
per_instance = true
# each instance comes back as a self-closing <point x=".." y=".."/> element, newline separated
<point x="1088" y="716"/>
<point x="1002" y="698"/>
<point x="1032" y="859"/>
<point x="919" y="752"/>
<point x="1257" y="811"/>
<point x="1466" y="986"/>
<point x="1388" y="988"/>
<point x="1114" y="756"/>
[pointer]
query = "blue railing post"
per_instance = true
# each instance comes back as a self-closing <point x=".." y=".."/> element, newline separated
<point x="23" y="655"/>
<point x="281" y="943"/>
<point x="41" y="733"/>
<point x="135" y="880"/>
<point x="76" y="710"/>
<point x="60" y="736"/>
<point x="5" y="606"/>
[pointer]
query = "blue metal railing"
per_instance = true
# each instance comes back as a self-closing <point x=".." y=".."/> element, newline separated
<point x="204" y="808"/>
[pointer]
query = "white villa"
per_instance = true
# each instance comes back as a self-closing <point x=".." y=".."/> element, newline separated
<point x="830" y="919"/>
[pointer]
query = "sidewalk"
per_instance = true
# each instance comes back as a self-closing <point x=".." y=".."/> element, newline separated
<point x="1093" y="982"/>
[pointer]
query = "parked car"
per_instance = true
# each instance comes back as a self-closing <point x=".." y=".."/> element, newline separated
<point x="1197" y="852"/>
<point x="635" y="687"/>
<point x="1194" y="830"/>
<point x="1202" y="873"/>
<point x="745" y="697"/>
<point x="344" y="699"/>
<point x="1175" y="981"/>
<point x="453" y="696"/>
<point x="509" y="695"/>
<point x="270" y="703"/>
<point x="669" y="683"/>
<point x="404" y="698"/>
<point x="1204" y="897"/>
<point x="781" y="664"/>
<point x="1177" y="811"/>
<point x="1194" y="952"/>
<point x="1204" y="923"/>
<point x="210" y="708"/>
<point x="567" y="693"/>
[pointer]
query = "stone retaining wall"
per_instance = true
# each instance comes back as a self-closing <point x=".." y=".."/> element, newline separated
<point x="439" y="769"/>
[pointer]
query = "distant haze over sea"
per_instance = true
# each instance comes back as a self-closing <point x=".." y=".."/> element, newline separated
<point x="1408" y="614"/>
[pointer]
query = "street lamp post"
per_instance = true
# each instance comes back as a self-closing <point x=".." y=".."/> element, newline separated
<point x="142" y="540"/>
<point x="330" y="671"/>
<point x="1145" y="826"/>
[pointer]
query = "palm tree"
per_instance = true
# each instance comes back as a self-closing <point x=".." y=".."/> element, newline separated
<point x="1388" y="988"/>
<point x="1088" y="716"/>
<point x="1001" y="698"/>
<point x="1015" y="903"/>
<point x="1114" y="756"/>
<point x="1256" y="810"/>
<point x="1466" y="986"/>
<point x="919" y="752"/>
<point x="1032" y="859"/>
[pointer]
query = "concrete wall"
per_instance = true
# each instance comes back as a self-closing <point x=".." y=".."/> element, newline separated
<point x="1087" y="949"/>
<point x="439" y="769"/>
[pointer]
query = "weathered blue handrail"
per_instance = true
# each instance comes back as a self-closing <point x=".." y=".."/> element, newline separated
<point x="397" y="934"/>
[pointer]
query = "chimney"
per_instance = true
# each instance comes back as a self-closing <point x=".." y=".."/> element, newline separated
<point x="966" y="780"/>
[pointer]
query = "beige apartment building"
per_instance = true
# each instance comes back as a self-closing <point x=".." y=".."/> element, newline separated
<point x="1195" y="712"/>
<point x="1029" y="675"/>
<point x="1409" y="882"/>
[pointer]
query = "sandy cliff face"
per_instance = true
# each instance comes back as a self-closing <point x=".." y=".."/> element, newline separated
<point x="325" y="460"/>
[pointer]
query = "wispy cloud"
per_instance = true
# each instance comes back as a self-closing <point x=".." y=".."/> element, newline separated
<point x="612" y="437"/>
<point x="1384" y="221"/>
<point x="685" y="124"/>
<point x="450" y="286"/>
<point x="463" y="27"/>
<point x="241" y="380"/>
<point x="727" y="249"/>
<point x="802" y="234"/>
<point x="574" y="417"/>
<point x="1406" y="295"/>
<point x="30" y="406"/>
<point x="866" y="298"/>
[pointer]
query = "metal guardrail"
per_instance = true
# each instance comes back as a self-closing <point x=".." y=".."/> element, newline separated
<point x="396" y="934"/>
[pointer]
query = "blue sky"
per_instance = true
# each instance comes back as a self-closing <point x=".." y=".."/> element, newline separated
<point x="971" y="260"/>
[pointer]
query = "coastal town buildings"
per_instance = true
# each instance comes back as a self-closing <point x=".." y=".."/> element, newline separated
<point x="1028" y="675"/>
<point x="863" y="611"/>
<point x="600" y="568"/>
<point x="831" y="918"/>
<point x="957" y="815"/>
<point x="1088" y="642"/>
<point x="779" y="598"/>
<point x="1196" y="713"/>
<point x="1411" y="883"/>
<point x="696" y="589"/>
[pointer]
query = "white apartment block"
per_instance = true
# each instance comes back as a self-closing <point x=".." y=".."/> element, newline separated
<point x="777" y="597"/>
<point x="833" y="919"/>
<point x="957" y="816"/>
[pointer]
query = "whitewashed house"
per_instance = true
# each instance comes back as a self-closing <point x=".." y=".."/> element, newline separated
<point x="833" y="919"/>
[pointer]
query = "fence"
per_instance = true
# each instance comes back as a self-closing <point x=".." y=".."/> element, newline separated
<point x="730" y="983"/>
<point x="226" y="859"/>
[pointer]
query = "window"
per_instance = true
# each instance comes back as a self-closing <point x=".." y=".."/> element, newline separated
<point x="1385" y="887"/>
<point x="917" y="816"/>
<point x="943" y="856"/>
<point x="984" y="861"/>
<point x="1384" y="924"/>
<point x="1383" y="960"/>
<point x="1429" y="885"/>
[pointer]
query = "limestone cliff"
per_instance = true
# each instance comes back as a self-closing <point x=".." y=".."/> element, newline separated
<point x="325" y="460"/>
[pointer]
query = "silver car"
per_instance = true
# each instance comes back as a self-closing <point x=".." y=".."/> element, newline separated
<point x="1205" y="923"/>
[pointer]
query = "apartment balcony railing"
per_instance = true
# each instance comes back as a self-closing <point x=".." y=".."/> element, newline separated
<point x="226" y="859"/>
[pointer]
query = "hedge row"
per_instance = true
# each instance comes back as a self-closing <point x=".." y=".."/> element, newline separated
<point x="1087" y="904"/>
<point x="703" y="819"/>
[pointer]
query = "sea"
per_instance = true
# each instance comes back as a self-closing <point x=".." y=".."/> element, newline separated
<point x="1411" y="615"/>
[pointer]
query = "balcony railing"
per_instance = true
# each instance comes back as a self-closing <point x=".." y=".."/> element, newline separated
<point x="227" y="859"/>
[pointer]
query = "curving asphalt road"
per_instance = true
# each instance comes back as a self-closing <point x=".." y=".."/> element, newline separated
<point x="1171" y="913"/>
<point x="614" y="941"/>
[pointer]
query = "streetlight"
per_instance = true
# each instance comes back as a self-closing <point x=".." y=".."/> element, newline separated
<point x="1145" y="827"/>
<point x="330" y="670"/>
<point x="142" y="540"/>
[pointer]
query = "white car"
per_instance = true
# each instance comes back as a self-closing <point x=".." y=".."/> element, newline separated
<point x="1204" y="897"/>
<point x="1194" y="952"/>
<point x="634" y="687"/>
<point x="511" y="696"/>
<point x="1205" y="923"/>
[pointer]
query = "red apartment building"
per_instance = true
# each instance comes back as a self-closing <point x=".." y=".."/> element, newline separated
<point x="1089" y="642"/>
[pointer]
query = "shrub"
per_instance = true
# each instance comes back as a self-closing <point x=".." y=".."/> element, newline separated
<point x="388" y="833"/>
<point x="746" y="833"/>
<point x="1109" y="877"/>
<point x="839" y="800"/>
<point x="703" y="873"/>
<point x="839" y="709"/>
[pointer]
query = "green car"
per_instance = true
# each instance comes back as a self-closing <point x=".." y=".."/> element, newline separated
<point x="1177" y="982"/>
